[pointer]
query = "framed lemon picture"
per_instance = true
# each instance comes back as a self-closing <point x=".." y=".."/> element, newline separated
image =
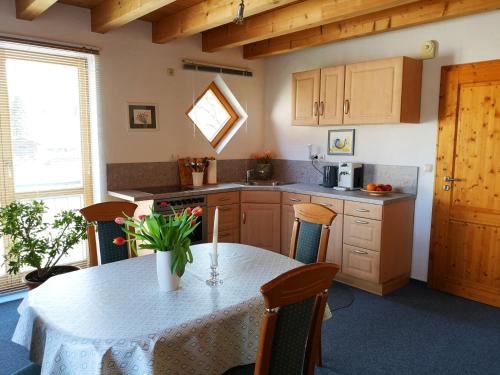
<point x="341" y="142"/>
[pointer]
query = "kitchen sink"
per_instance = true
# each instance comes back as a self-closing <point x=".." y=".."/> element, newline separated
<point x="264" y="183"/>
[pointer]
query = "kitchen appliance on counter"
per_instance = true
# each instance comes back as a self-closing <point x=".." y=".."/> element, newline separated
<point x="330" y="176"/>
<point x="350" y="176"/>
<point x="164" y="206"/>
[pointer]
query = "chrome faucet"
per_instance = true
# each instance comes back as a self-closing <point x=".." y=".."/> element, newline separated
<point x="249" y="175"/>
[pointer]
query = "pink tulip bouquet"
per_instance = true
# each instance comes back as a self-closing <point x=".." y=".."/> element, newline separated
<point x="162" y="233"/>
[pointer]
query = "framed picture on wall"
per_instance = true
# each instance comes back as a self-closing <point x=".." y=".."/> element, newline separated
<point x="341" y="142"/>
<point x="142" y="116"/>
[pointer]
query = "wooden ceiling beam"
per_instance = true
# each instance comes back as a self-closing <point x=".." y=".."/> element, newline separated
<point x="424" y="11"/>
<point x="296" y="17"/>
<point x="207" y="15"/>
<point x="111" y="14"/>
<point x="30" y="9"/>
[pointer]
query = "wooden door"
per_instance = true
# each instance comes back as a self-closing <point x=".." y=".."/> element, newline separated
<point x="331" y="97"/>
<point x="373" y="92"/>
<point x="465" y="244"/>
<point x="305" y="97"/>
<point x="260" y="225"/>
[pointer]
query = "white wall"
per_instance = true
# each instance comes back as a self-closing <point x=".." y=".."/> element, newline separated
<point x="469" y="39"/>
<point x="135" y="69"/>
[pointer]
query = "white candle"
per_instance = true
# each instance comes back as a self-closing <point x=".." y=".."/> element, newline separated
<point x="216" y="232"/>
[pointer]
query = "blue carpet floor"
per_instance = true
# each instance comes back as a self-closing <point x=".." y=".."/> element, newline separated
<point x="413" y="331"/>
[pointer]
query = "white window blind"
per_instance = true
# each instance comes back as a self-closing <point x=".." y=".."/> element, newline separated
<point x="45" y="140"/>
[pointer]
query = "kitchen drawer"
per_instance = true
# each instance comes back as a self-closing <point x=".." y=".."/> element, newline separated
<point x="229" y="217"/>
<point x="221" y="199"/>
<point x="260" y="197"/>
<point x="336" y="205"/>
<point x="294" y="198"/>
<point x="361" y="263"/>
<point x="229" y="236"/>
<point x="361" y="232"/>
<point x="370" y="211"/>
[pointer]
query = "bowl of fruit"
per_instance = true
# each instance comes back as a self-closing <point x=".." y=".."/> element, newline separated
<point x="377" y="189"/>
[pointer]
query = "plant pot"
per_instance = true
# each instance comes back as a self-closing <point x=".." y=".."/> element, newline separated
<point x="198" y="178"/>
<point x="264" y="171"/>
<point x="31" y="280"/>
<point x="167" y="281"/>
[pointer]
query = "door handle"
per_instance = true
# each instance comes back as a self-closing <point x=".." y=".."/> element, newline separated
<point x="451" y="179"/>
<point x="361" y="222"/>
<point x="361" y="210"/>
<point x="346" y="106"/>
<point x="360" y="252"/>
<point x="327" y="204"/>
<point x="294" y="199"/>
<point x="244" y="217"/>
<point x="315" y="109"/>
<point x="321" y="108"/>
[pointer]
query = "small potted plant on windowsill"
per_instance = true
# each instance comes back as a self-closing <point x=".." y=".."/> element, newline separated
<point x="37" y="244"/>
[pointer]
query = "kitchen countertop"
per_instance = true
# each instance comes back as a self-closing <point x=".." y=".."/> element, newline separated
<point x="300" y="188"/>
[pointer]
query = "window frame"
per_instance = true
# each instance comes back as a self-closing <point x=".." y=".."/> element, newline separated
<point x="7" y="190"/>
<point x="233" y="115"/>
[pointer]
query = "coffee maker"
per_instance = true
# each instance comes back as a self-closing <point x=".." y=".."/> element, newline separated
<point x="350" y="176"/>
<point x="330" y="175"/>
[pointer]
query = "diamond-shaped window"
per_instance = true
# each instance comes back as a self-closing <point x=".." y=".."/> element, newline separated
<point x="217" y="114"/>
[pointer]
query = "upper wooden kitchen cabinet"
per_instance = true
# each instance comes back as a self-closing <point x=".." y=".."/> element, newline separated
<point x="383" y="91"/>
<point x="317" y="96"/>
<point x="260" y="219"/>
<point x="375" y="92"/>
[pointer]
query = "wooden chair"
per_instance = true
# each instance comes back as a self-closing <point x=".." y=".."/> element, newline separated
<point x="311" y="231"/>
<point x="295" y="304"/>
<point x="104" y="215"/>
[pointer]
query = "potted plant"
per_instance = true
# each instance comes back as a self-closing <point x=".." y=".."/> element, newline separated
<point x="264" y="168"/>
<point x="168" y="236"/>
<point x="35" y="243"/>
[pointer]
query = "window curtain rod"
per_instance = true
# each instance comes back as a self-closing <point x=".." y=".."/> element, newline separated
<point x="214" y="68"/>
<point x="48" y="44"/>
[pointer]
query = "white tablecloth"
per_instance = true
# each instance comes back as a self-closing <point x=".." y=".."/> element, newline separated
<point x="113" y="319"/>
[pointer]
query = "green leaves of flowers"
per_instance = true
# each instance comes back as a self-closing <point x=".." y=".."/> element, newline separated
<point x="160" y="233"/>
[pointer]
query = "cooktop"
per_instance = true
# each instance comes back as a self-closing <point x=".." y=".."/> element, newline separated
<point x="164" y="189"/>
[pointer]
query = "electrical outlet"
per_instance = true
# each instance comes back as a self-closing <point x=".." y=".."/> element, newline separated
<point x="321" y="156"/>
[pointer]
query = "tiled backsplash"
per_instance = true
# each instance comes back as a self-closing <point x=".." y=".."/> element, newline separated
<point x="135" y="175"/>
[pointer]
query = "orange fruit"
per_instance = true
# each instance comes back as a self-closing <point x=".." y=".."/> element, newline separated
<point x="371" y="186"/>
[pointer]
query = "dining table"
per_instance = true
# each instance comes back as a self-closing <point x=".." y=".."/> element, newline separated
<point x="113" y="319"/>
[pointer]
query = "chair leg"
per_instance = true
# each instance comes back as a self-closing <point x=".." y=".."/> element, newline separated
<point x="320" y="357"/>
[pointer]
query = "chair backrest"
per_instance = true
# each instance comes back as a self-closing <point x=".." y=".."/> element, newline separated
<point x="311" y="231"/>
<point x="295" y="304"/>
<point x="104" y="215"/>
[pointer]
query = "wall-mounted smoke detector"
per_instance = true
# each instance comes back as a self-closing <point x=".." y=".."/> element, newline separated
<point x="428" y="50"/>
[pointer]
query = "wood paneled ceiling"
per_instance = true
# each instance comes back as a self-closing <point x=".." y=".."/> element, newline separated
<point x="271" y="27"/>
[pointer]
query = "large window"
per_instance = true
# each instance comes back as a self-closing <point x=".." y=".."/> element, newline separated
<point x="45" y="136"/>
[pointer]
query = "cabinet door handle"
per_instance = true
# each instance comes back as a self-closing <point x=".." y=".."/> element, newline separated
<point x="294" y="199"/>
<point x="224" y="208"/>
<point x="327" y="204"/>
<point x="224" y="199"/>
<point x="321" y="108"/>
<point x="361" y="210"/>
<point x="224" y="235"/>
<point x="315" y="109"/>
<point x="244" y="217"/>
<point x="360" y="252"/>
<point x="346" y="106"/>
<point x="361" y="222"/>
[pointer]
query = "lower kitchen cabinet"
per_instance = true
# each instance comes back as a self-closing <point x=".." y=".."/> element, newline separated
<point x="260" y="225"/>
<point x="288" y="217"/>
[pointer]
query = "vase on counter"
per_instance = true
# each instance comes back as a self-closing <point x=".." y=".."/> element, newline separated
<point x="198" y="178"/>
<point x="264" y="171"/>
<point x="167" y="281"/>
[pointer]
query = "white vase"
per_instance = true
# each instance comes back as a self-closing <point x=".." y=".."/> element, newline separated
<point x="198" y="178"/>
<point x="166" y="280"/>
